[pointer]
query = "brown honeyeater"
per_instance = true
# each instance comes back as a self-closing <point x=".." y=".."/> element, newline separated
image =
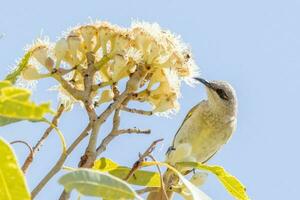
<point x="205" y="129"/>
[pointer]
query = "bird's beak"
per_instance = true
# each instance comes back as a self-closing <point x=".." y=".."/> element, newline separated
<point x="204" y="82"/>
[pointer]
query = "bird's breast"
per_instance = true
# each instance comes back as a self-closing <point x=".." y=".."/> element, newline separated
<point x="206" y="132"/>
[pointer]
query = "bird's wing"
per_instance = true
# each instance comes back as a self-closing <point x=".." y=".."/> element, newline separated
<point x="211" y="156"/>
<point x="186" y="118"/>
<point x="215" y="151"/>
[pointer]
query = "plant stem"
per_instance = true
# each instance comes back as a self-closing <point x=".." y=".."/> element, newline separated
<point x="132" y="130"/>
<point x="91" y="153"/>
<point x="87" y="160"/>
<point x="137" y="111"/>
<point x="37" y="146"/>
<point x="110" y="136"/>
<point x="60" y="162"/>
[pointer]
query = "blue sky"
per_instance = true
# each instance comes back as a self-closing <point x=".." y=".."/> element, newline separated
<point x="252" y="44"/>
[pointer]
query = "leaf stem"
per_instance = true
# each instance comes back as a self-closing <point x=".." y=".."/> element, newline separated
<point x="61" y="136"/>
<point x="30" y="156"/>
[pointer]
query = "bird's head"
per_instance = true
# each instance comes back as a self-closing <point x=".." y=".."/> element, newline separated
<point x="221" y="95"/>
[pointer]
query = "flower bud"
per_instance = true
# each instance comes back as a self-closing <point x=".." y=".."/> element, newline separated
<point x="61" y="49"/>
<point x="120" y="43"/>
<point x="105" y="73"/>
<point x="89" y="34"/>
<point x="74" y="43"/>
<point x="133" y="55"/>
<point x="142" y="39"/>
<point x="166" y="104"/>
<point x="31" y="73"/>
<point x="132" y="68"/>
<point x="105" y="32"/>
<point x="40" y="53"/>
<point x="65" y="98"/>
<point x="119" y="68"/>
<point x="106" y="96"/>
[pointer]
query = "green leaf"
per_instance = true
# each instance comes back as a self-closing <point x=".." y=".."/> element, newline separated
<point x="4" y="84"/>
<point x="231" y="183"/>
<point x="105" y="164"/>
<point x="5" y="121"/>
<point x="15" y="93"/>
<point x="16" y="106"/>
<point x="12" y="77"/>
<point x="90" y="182"/>
<point x="141" y="177"/>
<point x="12" y="181"/>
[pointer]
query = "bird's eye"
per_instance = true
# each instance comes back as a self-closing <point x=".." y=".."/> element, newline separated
<point x="222" y="94"/>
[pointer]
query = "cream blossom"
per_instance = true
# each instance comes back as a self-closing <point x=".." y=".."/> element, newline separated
<point x="31" y="73"/>
<point x="40" y="53"/>
<point x="119" y="52"/>
<point x="106" y="96"/>
<point x="60" y="50"/>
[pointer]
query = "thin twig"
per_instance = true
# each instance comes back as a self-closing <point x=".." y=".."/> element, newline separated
<point x="114" y="133"/>
<point x="63" y="71"/>
<point x="102" y="62"/>
<point x="115" y="90"/>
<point x="37" y="146"/>
<point x="137" y="111"/>
<point x="77" y="94"/>
<point x="132" y="130"/>
<point x="60" y="162"/>
<point x="116" y="123"/>
<point x="91" y="152"/>
<point x="132" y="85"/>
<point x="89" y="76"/>
<point x="162" y="185"/>
<point x="141" y="159"/>
<point x="64" y="195"/>
<point x="102" y="147"/>
<point x="89" y="156"/>
<point x="101" y="85"/>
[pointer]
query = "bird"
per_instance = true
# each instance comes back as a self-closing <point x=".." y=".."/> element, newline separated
<point x="205" y="129"/>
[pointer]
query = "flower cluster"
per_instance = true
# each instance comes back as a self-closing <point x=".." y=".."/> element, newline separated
<point x="119" y="52"/>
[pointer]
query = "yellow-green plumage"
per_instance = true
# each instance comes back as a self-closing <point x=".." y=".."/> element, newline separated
<point x="205" y="129"/>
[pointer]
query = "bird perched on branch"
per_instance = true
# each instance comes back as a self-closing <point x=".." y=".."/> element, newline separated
<point x="205" y="129"/>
